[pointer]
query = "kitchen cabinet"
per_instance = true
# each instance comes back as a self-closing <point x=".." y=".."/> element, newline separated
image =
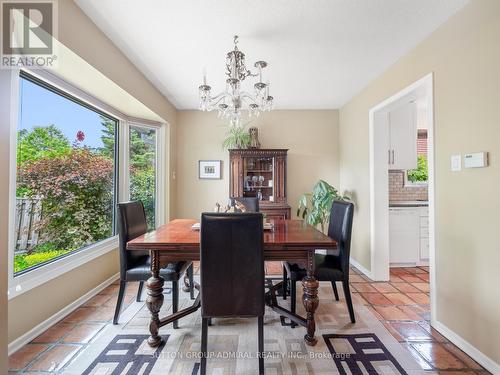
<point x="424" y="234"/>
<point x="404" y="235"/>
<point x="409" y="236"/>
<point x="402" y="153"/>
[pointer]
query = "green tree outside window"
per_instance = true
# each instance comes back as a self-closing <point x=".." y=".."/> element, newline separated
<point x="421" y="173"/>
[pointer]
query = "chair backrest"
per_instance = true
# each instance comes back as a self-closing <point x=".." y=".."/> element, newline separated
<point x="340" y="229"/>
<point x="131" y="224"/>
<point x="251" y="203"/>
<point x="232" y="264"/>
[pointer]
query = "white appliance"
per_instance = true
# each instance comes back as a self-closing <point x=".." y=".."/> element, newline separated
<point x="409" y="236"/>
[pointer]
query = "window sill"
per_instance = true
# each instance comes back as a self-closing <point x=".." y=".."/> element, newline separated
<point x="30" y="280"/>
<point x="415" y="184"/>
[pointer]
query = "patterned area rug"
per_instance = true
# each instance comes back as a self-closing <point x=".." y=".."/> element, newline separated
<point x="343" y="348"/>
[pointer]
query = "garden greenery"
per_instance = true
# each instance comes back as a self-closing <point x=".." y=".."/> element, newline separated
<point x="420" y="174"/>
<point x="75" y="185"/>
<point x="76" y="191"/>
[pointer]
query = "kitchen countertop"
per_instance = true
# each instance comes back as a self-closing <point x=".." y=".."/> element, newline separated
<point x="408" y="204"/>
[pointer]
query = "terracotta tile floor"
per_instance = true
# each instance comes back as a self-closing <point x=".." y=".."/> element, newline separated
<point x="54" y="349"/>
<point x="401" y="304"/>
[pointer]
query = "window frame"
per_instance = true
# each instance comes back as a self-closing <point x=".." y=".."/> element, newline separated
<point x="28" y="280"/>
<point x="159" y="214"/>
<point x="407" y="182"/>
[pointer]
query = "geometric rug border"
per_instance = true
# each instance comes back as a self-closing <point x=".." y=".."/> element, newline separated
<point x="359" y="356"/>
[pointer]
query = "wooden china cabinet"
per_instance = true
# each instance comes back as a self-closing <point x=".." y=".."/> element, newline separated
<point x="260" y="173"/>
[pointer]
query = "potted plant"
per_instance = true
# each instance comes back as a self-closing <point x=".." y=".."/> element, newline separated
<point x="236" y="137"/>
<point x="315" y="207"/>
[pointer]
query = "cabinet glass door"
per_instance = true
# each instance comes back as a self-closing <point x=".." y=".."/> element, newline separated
<point x="258" y="178"/>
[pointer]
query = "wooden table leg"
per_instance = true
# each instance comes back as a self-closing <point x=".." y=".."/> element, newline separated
<point x="310" y="299"/>
<point x="186" y="287"/>
<point x="154" y="301"/>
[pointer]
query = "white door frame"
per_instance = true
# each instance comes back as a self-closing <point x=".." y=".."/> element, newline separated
<point x="379" y="189"/>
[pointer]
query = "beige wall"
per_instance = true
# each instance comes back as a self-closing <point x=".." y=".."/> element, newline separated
<point x="311" y="136"/>
<point x="38" y="304"/>
<point x="464" y="55"/>
<point x="80" y="35"/>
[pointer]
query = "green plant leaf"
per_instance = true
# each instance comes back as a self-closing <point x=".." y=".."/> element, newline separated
<point x="236" y="137"/>
<point x="315" y="207"/>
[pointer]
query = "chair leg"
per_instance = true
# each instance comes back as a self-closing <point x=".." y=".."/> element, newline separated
<point x="139" y="291"/>
<point x="175" y="301"/>
<point x="335" y="291"/>
<point x="190" y="272"/>
<point x="293" y="298"/>
<point x="204" y="354"/>
<point x="285" y="281"/>
<point x="119" y="302"/>
<point x="348" y="300"/>
<point x="261" y="344"/>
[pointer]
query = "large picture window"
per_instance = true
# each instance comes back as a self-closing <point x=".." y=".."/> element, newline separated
<point x="66" y="175"/>
<point x="142" y="161"/>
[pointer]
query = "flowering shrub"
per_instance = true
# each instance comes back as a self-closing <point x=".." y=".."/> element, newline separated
<point x="76" y="189"/>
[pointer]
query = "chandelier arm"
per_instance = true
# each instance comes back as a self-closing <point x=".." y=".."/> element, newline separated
<point x="217" y="98"/>
<point x="250" y="74"/>
<point x="247" y="102"/>
<point x="245" y="94"/>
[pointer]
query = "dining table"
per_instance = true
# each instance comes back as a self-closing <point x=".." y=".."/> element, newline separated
<point x="179" y="240"/>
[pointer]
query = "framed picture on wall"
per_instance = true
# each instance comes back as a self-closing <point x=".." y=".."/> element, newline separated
<point x="209" y="169"/>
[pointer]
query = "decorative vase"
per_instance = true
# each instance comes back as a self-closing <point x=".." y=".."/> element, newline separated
<point x="254" y="137"/>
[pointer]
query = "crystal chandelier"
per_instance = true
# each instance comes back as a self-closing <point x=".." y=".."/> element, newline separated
<point x="234" y="100"/>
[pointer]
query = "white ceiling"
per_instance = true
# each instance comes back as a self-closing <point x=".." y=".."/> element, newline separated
<point x="320" y="53"/>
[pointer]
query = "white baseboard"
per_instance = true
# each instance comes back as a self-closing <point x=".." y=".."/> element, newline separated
<point x="40" y="328"/>
<point x="468" y="348"/>
<point x="361" y="268"/>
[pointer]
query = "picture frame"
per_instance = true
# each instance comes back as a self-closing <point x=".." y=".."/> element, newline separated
<point x="209" y="169"/>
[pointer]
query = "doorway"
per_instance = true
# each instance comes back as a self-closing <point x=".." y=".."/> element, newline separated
<point x="381" y="157"/>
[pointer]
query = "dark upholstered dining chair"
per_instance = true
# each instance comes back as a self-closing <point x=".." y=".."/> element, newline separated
<point x="232" y="272"/>
<point x="251" y="203"/>
<point x="331" y="268"/>
<point x="135" y="265"/>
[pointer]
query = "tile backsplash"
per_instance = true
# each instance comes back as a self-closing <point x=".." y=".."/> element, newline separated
<point x="399" y="192"/>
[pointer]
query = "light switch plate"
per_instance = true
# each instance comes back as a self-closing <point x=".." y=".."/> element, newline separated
<point x="456" y="163"/>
